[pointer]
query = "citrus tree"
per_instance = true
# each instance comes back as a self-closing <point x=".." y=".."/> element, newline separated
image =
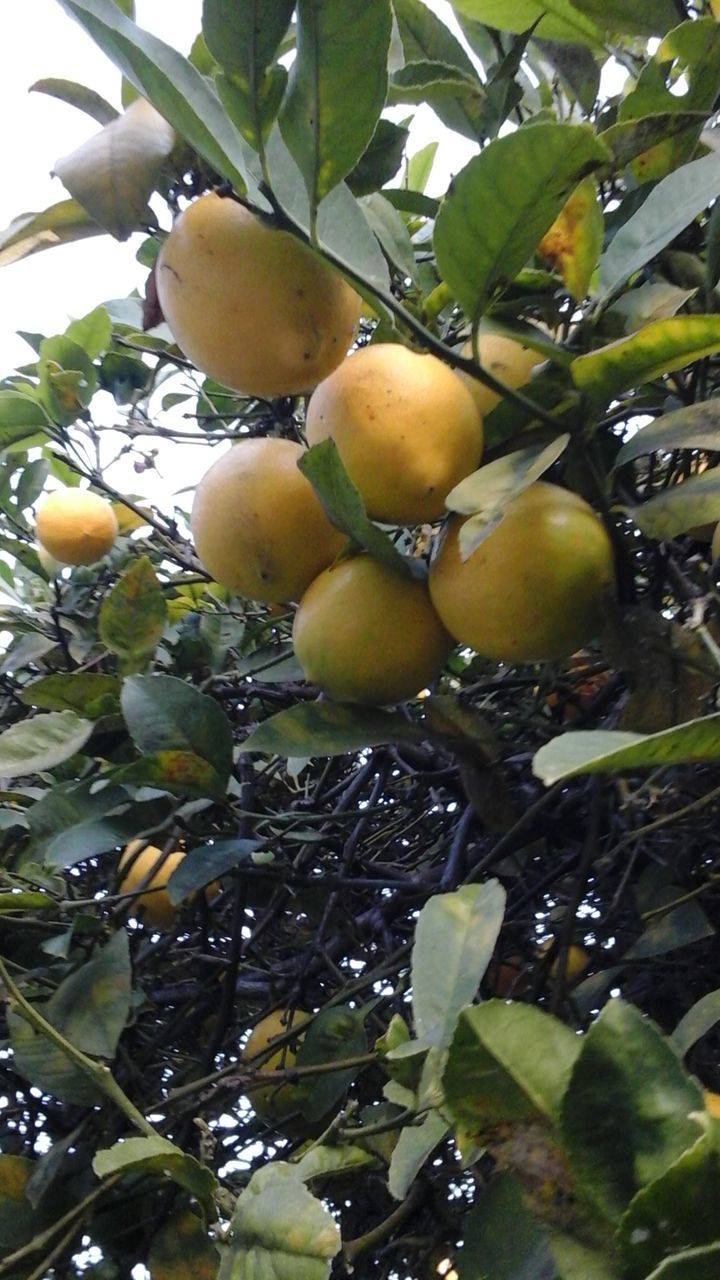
<point x="358" y="819"/>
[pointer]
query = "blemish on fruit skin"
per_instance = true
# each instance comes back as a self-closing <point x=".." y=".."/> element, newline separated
<point x="165" y="266"/>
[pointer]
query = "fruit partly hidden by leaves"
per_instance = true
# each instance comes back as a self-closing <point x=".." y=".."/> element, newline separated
<point x="259" y="528"/>
<point x="506" y="358"/>
<point x="275" y="1103"/>
<point x="252" y="306"/>
<point x="148" y="872"/>
<point x="577" y="961"/>
<point x="366" y="633"/>
<point x="712" y="1103"/>
<point x="75" y="526"/>
<point x="535" y="588"/>
<point x="406" y="428"/>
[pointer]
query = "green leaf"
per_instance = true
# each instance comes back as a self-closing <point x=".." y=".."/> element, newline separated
<point x="173" y="86"/>
<point x="614" y="1150"/>
<point x="279" y="1230"/>
<point x="630" y="138"/>
<point x="20" y="418"/>
<point x="680" y="507"/>
<point x="19" y="900"/>
<point x="426" y="39"/>
<point x="413" y="1148"/>
<point x="47" y="1067"/>
<point x="391" y="231"/>
<point x="86" y="692"/>
<point x="693" y="1264"/>
<point x="181" y="773"/>
<point x="698" y="1020"/>
<point x="676" y="1212"/>
<point x="164" y="714"/>
<point x="65" y="806"/>
<point x="89" y="840"/>
<point x="42" y="742"/>
<point x="661" y="347"/>
<point x="133" y="615"/>
<point x="329" y="729"/>
<point x="323" y="467"/>
<point x="502" y="203"/>
<point x="182" y="1248"/>
<point x="321" y="1162"/>
<point x="507" y="1062"/>
<point x="243" y="39"/>
<point x="576" y="67"/>
<point x="342" y="230"/>
<point x="204" y="864"/>
<point x="18" y="1222"/>
<point x="559" y="19"/>
<point x="335" y="1033"/>
<point x="157" y="1155"/>
<point x="113" y="174"/>
<point x="630" y="17"/>
<point x="77" y="95"/>
<point x="485" y="493"/>
<point x="462" y="926"/>
<point x="573" y="1259"/>
<point x="668" y="209"/>
<point x="29" y="233"/>
<point x="501" y="1239"/>
<point x="381" y="159"/>
<point x="336" y="88"/>
<point x="90" y="1007"/>
<point x="92" y="332"/>
<point x="611" y="751"/>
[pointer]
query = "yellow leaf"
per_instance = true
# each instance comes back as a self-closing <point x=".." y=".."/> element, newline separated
<point x="128" y="520"/>
<point x="573" y="243"/>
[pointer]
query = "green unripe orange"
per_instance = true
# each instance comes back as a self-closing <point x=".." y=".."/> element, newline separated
<point x="366" y="633"/>
<point x="259" y="528"/>
<point x="252" y="307"/>
<point x="406" y="428"/>
<point x="535" y="588"/>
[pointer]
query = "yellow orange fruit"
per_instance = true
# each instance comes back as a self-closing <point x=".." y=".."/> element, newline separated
<point x="75" y="526"/>
<point x="406" y="428"/>
<point x="251" y="306"/>
<point x="576" y="963"/>
<point x="258" y="526"/>
<point x="366" y="633"/>
<point x="141" y="874"/>
<point x="506" y="358"/>
<point x="712" y="1103"/>
<point x="275" y="1103"/>
<point x="535" y="588"/>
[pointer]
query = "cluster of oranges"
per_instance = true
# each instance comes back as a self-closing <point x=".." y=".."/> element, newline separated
<point x="259" y="311"/>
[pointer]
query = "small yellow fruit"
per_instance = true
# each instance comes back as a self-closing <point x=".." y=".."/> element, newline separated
<point x="75" y="526"/>
<point x="712" y="1102"/>
<point x="406" y="428"/>
<point x="252" y="307"/>
<point x="535" y="588"/>
<point x="366" y="633"/>
<point x="576" y="963"/>
<point x="153" y="899"/>
<point x="715" y="545"/>
<point x="258" y="526"/>
<point x="506" y="358"/>
<point x="275" y="1103"/>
